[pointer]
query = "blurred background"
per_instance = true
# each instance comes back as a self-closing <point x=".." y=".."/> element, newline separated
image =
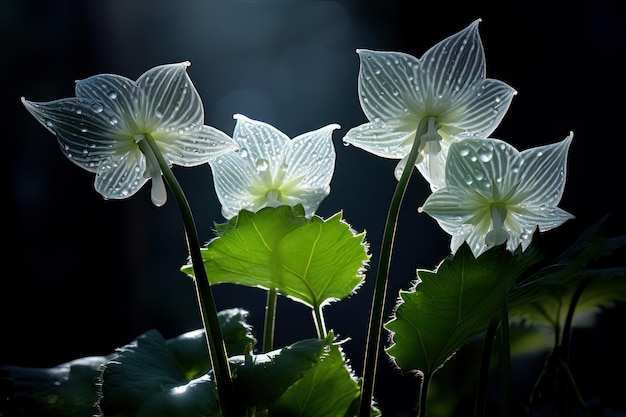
<point x="84" y="276"/>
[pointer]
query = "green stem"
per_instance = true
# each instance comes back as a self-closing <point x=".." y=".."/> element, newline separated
<point x="320" y="324"/>
<point x="270" y="320"/>
<point x="208" y="310"/>
<point x="505" y="354"/>
<point x="424" y="394"/>
<point x="382" y="276"/>
<point x="483" y="377"/>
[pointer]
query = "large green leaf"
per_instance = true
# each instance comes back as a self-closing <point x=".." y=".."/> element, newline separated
<point x="328" y="389"/>
<point x="313" y="261"/>
<point x="66" y="390"/>
<point x="71" y="389"/>
<point x="589" y="265"/>
<point x="449" y="307"/>
<point x="145" y="379"/>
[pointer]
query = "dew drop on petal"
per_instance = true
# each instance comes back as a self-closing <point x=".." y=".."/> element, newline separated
<point x="97" y="107"/>
<point x="485" y="153"/>
<point x="112" y="94"/>
<point x="262" y="165"/>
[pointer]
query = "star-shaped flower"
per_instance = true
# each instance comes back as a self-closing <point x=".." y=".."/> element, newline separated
<point x="271" y="170"/>
<point x="496" y="194"/>
<point x="103" y="127"/>
<point x="447" y="84"/>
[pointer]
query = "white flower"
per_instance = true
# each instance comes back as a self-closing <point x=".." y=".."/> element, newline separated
<point x="272" y="170"/>
<point x="102" y="128"/>
<point x="495" y="194"/>
<point x="397" y="91"/>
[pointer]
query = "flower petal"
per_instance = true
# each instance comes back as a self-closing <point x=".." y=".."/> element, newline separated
<point x="487" y="167"/>
<point x="310" y="158"/>
<point x="387" y="85"/>
<point x="171" y="102"/>
<point x="543" y="173"/>
<point x="450" y="67"/>
<point x="83" y="129"/>
<point x="260" y="140"/>
<point x="232" y="174"/>
<point x="477" y="112"/>
<point x="121" y="176"/>
<point x="116" y="94"/>
<point x="378" y="139"/>
<point x="191" y="147"/>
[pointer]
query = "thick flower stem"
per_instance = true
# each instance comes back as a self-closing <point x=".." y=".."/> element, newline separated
<point x="208" y="310"/>
<point x="382" y="276"/>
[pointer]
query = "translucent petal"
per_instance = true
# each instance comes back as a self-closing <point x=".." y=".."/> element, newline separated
<point x="233" y="175"/>
<point x="310" y="159"/>
<point x="121" y="176"/>
<point x="448" y="208"/>
<point x="191" y="147"/>
<point x="451" y="67"/>
<point x="260" y="140"/>
<point x="546" y="218"/>
<point x="432" y="167"/>
<point x="543" y="173"/>
<point x="117" y="94"/>
<point x="478" y="111"/>
<point x="83" y="129"/>
<point x="171" y="102"/>
<point x="486" y="167"/>
<point x="377" y="138"/>
<point x="387" y="85"/>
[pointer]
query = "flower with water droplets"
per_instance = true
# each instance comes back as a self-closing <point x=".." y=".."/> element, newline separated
<point x="447" y="84"/>
<point x="271" y="170"/>
<point x="496" y="194"/>
<point x="106" y="127"/>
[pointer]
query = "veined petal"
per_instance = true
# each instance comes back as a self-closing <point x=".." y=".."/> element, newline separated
<point x="117" y="94"/>
<point x="171" y="102"/>
<point x="191" y="147"/>
<point x="487" y="167"/>
<point x="83" y="129"/>
<point x="379" y="139"/>
<point x="387" y="85"/>
<point x="543" y="173"/>
<point x="121" y="176"/>
<point x="433" y="166"/>
<point x="262" y="142"/>
<point x="233" y="174"/>
<point x="448" y="208"/>
<point x="545" y="218"/>
<point x="451" y="67"/>
<point x="310" y="159"/>
<point x="478" y="111"/>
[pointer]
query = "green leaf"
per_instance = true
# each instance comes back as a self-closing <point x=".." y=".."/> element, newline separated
<point x="544" y="298"/>
<point x="450" y="307"/>
<point x="328" y="389"/>
<point x="145" y="378"/>
<point x="313" y="261"/>
<point x="191" y="348"/>
<point x="66" y="390"/>
<point x="261" y="379"/>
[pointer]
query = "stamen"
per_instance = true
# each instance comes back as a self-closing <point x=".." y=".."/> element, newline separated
<point x="272" y="197"/>
<point x="153" y="170"/>
<point x="498" y="235"/>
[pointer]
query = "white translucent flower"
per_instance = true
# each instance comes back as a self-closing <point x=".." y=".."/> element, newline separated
<point x="102" y="128"/>
<point x="495" y="194"/>
<point x="271" y="170"/>
<point x="447" y="83"/>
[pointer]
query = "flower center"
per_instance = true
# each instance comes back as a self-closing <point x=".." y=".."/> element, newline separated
<point x="498" y="235"/>
<point x="153" y="170"/>
<point x="273" y="197"/>
<point x="429" y="140"/>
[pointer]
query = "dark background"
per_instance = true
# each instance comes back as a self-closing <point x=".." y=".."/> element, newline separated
<point x="83" y="276"/>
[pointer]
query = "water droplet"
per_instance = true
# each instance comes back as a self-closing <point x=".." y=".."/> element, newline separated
<point x="97" y="107"/>
<point x="485" y="153"/>
<point x="112" y="94"/>
<point x="243" y="152"/>
<point x="262" y="165"/>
